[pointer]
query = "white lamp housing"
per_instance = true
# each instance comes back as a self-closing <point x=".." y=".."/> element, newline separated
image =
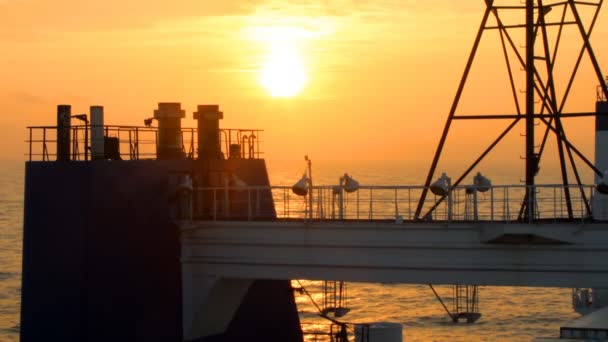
<point x="301" y="186"/>
<point x="602" y="185"/>
<point x="350" y="185"/>
<point x="441" y="186"/>
<point x="482" y="183"/>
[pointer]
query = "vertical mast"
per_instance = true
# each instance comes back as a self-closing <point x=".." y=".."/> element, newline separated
<point x="531" y="158"/>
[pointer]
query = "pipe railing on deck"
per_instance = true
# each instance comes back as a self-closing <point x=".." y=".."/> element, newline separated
<point x="136" y="142"/>
<point x="389" y="203"/>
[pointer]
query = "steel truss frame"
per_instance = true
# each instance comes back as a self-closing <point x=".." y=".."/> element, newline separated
<point x="551" y="112"/>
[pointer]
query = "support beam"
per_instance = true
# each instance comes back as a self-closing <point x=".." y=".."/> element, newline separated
<point x="531" y="157"/>
<point x="446" y="129"/>
<point x="554" y="255"/>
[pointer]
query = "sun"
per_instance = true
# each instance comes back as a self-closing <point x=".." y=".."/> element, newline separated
<point x="283" y="74"/>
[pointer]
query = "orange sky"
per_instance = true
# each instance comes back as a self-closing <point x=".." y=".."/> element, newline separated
<point x="381" y="75"/>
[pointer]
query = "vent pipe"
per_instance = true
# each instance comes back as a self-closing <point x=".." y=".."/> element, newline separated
<point x="64" y="114"/>
<point x="208" y="118"/>
<point x="169" y="143"/>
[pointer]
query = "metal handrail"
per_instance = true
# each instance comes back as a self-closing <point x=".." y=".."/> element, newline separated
<point x="135" y="142"/>
<point x="387" y="203"/>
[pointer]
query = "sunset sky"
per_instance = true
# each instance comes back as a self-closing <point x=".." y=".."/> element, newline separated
<point x="337" y="80"/>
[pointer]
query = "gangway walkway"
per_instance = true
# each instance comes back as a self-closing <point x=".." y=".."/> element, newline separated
<point x="379" y="241"/>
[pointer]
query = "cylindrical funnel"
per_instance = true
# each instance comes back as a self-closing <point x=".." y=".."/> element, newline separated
<point x="208" y="118"/>
<point x="169" y="116"/>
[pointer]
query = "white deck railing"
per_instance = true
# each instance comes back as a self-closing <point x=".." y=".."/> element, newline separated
<point x="499" y="203"/>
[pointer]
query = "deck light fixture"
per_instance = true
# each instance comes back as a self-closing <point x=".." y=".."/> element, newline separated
<point x="602" y="186"/>
<point x="148" y="122"/>
<point x="81" y="117"/>
<point x="347" y="184"/>
<point x="481" y="183"/>
<point x="443" y="187"/>
<point x="303" y="187"/>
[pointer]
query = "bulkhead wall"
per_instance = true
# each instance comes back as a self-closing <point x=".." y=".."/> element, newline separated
<point x="101" y="254"/>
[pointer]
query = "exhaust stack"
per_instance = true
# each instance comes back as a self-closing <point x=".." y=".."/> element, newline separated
<point x="169" y="116"/>
<point x="208" y="118"/>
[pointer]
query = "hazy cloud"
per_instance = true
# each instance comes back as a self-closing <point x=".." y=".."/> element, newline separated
<point x="83" y="15"/>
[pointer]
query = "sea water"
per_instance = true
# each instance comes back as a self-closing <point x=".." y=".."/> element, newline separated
<point x="11" y="227"/>
<point x="509" y="313"/>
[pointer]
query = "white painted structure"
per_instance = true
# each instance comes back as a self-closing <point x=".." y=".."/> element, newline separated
<point x="555" y="255"/>
<point x="600" y="201"/>
<point x="220" y="258"/>
<point x="492" y="247"/>
<point x="591" y="327"/>
<point x="379" y="332"/>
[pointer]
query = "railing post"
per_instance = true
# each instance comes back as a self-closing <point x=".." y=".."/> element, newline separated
<point x="475" y="212"/>
<point x="505" y="196"/>
<point x="131" y="150"/>
<point x="491" y="204"/>
<point x="249" y="209"/>
<point x="409" y="203"/>
<point x="284" y="203"/>
<point x="74" y="132"/>
<point x="45" y="151"/>
<point x="257" y="141"/>
<point x="341" y="201"/>
<point x="450" y="204"/>
<point x="554" y="203"/>
<point x="530" y="203"/>
<point x="320" y="214"/>
<point x="214" y="204"/>
<point x="136" y="143"/>
<point x="582" y="210"/>
<point x="371" y="204"/>
<point x="357" y="205"/>
<point x="288" y="208"/>
<point x="257" y="201"/>
<point x="226" y="200"/>
<point x="30" y="143"/>
<point x="396" y="205"/>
